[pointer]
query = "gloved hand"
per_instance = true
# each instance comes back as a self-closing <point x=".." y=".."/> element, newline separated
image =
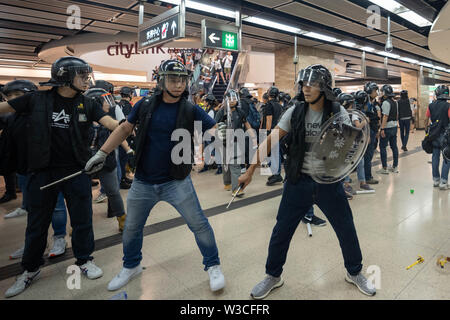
<point x="131" y="159"/>
<point x="222" y="130"/>
<point x="96" y="163"/>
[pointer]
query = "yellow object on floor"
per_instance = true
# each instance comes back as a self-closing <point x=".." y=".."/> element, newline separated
<point x="121" y="221"/>
<point x="227" y="187"/>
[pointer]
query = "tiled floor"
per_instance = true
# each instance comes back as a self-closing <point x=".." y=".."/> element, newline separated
<point x="393" y="225"/>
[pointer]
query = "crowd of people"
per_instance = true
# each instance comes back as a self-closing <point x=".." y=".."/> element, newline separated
<point x="129" y="147"/>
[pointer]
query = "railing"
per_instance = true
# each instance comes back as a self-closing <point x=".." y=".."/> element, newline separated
<point x="240" y="71"/>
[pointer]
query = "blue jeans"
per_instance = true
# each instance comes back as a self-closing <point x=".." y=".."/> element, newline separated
<point x="143" y="196"/>
<point x="391" y="138"/>
<point x="404" y="131"/>
<point x="296" y="201"/>
<point x="310" y="213"/>
<point x="59" y="218"/>
<point x="368" y="156"/>
<point x="360" y="171"/>
<point x="435" y="160"/>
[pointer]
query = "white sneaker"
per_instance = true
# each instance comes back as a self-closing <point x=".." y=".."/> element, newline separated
<point x="383" y="171"/>
<point x="91" y="270"/>
<point x="124" y="276"/>
<point x="443" y="186"/>
<point x="393" y="169"/>
<point x="436" y="183"/>
<point x="16" y="213"/>
<point x="216" y="278"/>
<point x="22" y="282"/>
<point x="101" y="197"/>
<point x="59" y="247"/>
<point x="17" y="254"/>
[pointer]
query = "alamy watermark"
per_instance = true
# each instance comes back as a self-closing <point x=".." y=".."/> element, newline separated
<point x="374" y="20"/>
<point x="232" y="147"/>
<point x="74" y="280"/>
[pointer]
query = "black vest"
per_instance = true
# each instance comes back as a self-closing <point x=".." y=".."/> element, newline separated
<point x="404" y="109"/>
<point x="373" y="116"/>
<point x="393" y="111"/>
<point x="296" y="141"/>
<point x="439" y="111"/>
<point x="39" y="138"/>
<point x="185" y="120"/>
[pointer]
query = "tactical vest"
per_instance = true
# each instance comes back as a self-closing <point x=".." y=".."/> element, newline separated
<point x="296" y="142"/>
<point x="185" y="120"/>
<point x="39" y="138"/>
<point x="393" y="110"/>
<point x="404" y="109"/>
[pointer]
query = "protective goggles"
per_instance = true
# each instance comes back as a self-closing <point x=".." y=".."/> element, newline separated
<point x="176" y="79"/>
<point x="233" y="96"/>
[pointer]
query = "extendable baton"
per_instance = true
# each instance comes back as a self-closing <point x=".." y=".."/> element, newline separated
<point x="63" y="179"/>
<point x="235" y="194"/>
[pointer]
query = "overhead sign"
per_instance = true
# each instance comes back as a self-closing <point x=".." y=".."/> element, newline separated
<point x="166" y="27"/>
<point x="220" y="36"/>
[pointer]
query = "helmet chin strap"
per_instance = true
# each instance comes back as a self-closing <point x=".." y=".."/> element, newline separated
<point x="75" y="88"/>
<point x="318" y="98"/>
<point x="173" y="96"/>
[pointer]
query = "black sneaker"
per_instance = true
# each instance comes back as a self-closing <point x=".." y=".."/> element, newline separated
<point x="314" y="221"/>
<point x="7" y="197"/>
<point x="219" y="171"/>
<point x="129" y="181"/>
<point x="274" y="179"/>
<point x="124" y="184"/>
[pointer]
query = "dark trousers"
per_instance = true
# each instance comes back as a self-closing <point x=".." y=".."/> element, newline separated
<point x="405" y="125"/>
<point x="391" y="138"/>
<point x="296" y="201"/>
<point x="368" y="156"/>
<point x="10" y="184"/>
<point x="123" y="159"/>
<point x="77" y="192"/>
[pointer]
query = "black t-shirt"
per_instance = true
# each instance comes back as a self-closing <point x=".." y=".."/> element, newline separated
<point x="238" y="118"/>
<point x="273" y="109"/>
<point x="62" y="154"/>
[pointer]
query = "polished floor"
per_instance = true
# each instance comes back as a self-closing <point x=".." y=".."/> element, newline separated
<point x="394" y="227"/>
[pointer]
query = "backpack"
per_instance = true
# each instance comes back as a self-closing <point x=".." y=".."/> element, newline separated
<point x="253" y="117"/>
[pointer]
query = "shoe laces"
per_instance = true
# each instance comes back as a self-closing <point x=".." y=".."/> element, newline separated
<point x="214" y="272"/>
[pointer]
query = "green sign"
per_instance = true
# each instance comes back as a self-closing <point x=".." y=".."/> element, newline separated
<point x="229" y="40"/>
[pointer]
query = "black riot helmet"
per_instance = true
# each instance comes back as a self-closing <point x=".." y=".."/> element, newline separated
<point x="101" y="96"/>
<point x="442" y="92"/>
<point x="172" y="71"/>
<point x="369" y="87"/>
<point x="126" y="92"/>
<point x="244" y="93"/>
<point x="287" y="97"/>
<point x="346" y="100"/>
<point x="24" y="86"/>
<point x="265" y="96"/>
<point x="388" y="91"/>
<point x="361" y="99"/>
<point x="273" y="92"/>
<point x="211" y="100"/>
<point x="404" y="94"/>
<point x="318" y="75"/>
<point x="108" y="86"/>
<point x="65" y="69"/>
<point x="337" y="91"/>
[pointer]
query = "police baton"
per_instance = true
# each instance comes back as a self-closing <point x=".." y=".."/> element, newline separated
<point x="63" y="179"/>
<point x="235" y="194"/>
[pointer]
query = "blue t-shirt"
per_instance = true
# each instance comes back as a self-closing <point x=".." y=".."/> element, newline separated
<point x="154" y="166"/>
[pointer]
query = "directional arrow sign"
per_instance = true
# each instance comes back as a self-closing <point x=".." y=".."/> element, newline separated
<point x="218" y="36"/>
<point x="212" y="37"/>
<point x="174" y="27"/>
<point x="166" y="27"/>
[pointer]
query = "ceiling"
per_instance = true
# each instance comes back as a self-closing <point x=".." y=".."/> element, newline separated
<point x="25" y="26"/>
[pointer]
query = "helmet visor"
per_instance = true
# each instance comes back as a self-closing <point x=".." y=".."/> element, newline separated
<point x="174" y="79"/>
<point x="83" y="79"/>
<point x="233" y="96"/>
<point x="310" y="77"/>
<point x="109" y="99"/>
